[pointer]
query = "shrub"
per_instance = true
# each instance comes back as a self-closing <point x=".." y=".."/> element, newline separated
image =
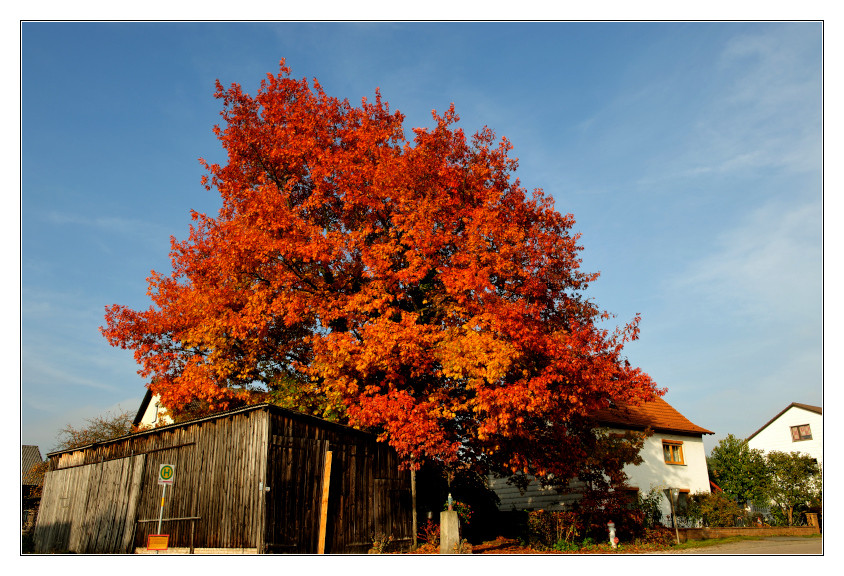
<point x="464" y="511"/>
<point x="715" y="510"/>
<point x="657" y="535"/>
<point x="380" y="543"/>
<point x="633" y="520"/>
<point x="547" y="528"/>
<point x="598" y="509"/>
<point x="564" y="546"/>
<point x="649" y="505"/>
<point x="429" y="533"/>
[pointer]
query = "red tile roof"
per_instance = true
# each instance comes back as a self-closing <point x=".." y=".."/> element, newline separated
<point x="657" y="414"/>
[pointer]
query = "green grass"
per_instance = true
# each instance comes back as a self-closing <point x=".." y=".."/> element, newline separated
<point x="691" y="544"/>
<point x="712" y="542"/>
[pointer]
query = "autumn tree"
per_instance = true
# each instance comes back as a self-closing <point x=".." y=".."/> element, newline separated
<point x="96" y="429"/>
<point x="407" y="286"/>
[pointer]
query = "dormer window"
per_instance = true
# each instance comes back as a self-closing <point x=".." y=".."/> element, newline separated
<point x="802" y="432"/>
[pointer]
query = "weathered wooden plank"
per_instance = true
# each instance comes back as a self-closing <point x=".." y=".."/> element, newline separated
<point x="263" y="478"/>
<point x="77" y="497"/>
<point x="132" y="500"/>
<point x="238" y="463"/>
<point x="49" y="515"/>
<point x="215" y="509"/>
<point x="223" y="465"/>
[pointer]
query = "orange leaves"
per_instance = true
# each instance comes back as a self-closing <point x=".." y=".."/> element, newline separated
<point x="475" y="353"/>
<point x="412" y="287"/>
<point x="409" y="425"/>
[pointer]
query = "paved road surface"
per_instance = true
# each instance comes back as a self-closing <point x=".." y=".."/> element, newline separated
<point x="773" y="545"/>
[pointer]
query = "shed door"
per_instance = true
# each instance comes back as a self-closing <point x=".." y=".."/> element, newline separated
<point x="393" y="509"/>
<point x="90" y="509"/>
<point x="294" y="477"/>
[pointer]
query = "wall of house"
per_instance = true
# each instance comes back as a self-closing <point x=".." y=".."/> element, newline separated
<point x="777" y="435"/>
<point x="153" y="415"/>
<point x="534" y="497"/>
<point x="653" y="472"/>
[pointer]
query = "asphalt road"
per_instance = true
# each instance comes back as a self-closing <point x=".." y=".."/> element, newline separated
<point x="773" y="545"/>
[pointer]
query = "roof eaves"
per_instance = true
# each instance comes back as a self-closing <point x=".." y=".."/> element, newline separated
<point x="810" y="408"/>
<point x="263" y="406"/>
<point x="142" y="410"/>
<point x="659" y="415"/>
<point x="697" y="431"/>
<point x="160" y="428"/>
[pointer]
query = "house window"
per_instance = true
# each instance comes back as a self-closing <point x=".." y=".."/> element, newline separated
<point x="802" y="432"/>
<point x="672" y="452"/>
<point x="155" y="417"/>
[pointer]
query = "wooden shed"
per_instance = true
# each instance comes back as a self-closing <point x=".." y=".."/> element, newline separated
<point x="250" y="480"/>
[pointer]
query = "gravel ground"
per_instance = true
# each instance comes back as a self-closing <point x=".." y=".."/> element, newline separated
<point x="774" y="545"/>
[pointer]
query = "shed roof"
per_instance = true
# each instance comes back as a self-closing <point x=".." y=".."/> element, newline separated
<point x="271" y="407"/>
<point x="657" y="414"/>
<point x="808" y="407"/>
<point x="30" y="456"/>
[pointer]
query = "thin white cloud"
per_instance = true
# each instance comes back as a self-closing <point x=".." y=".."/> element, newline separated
<point x="108" y="232"/>
<point x="769" y="267"/>
<point x="114" y="224"/>
<point x="770" y="112"/>
<point x="41" y="370"/>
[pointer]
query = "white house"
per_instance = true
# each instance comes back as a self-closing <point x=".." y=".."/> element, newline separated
<point x="798" y="428"/>
<point x="673" y="457"/>
<point x="151" y="412"/>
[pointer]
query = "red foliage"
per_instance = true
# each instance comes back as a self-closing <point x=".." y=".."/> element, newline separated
<point x="408" y="287"/>
<point x="429" y="533"/>
<point x="601" y="505"/>
<point x="658" y="536"/>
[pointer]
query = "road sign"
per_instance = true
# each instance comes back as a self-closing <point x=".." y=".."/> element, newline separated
<point x="166" y="474"/>
<point x="158" y="541"/>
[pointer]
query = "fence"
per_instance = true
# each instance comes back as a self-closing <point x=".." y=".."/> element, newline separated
<point x="687" y="534"/>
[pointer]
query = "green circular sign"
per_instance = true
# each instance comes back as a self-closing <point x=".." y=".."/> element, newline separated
<point x="165" y="472"/>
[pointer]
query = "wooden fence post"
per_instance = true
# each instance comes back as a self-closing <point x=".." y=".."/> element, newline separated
<point x="323" y="512"/>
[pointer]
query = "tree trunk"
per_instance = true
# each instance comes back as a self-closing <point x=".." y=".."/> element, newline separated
<point x="413" y="504"/>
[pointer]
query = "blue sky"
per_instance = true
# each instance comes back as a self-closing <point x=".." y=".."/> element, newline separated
<point x="691" y="155"/>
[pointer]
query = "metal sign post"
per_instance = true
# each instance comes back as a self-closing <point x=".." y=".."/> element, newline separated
<point x="671" y="494"/>
<point x="161" y="509"/>
<point x="166" y="476"/>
